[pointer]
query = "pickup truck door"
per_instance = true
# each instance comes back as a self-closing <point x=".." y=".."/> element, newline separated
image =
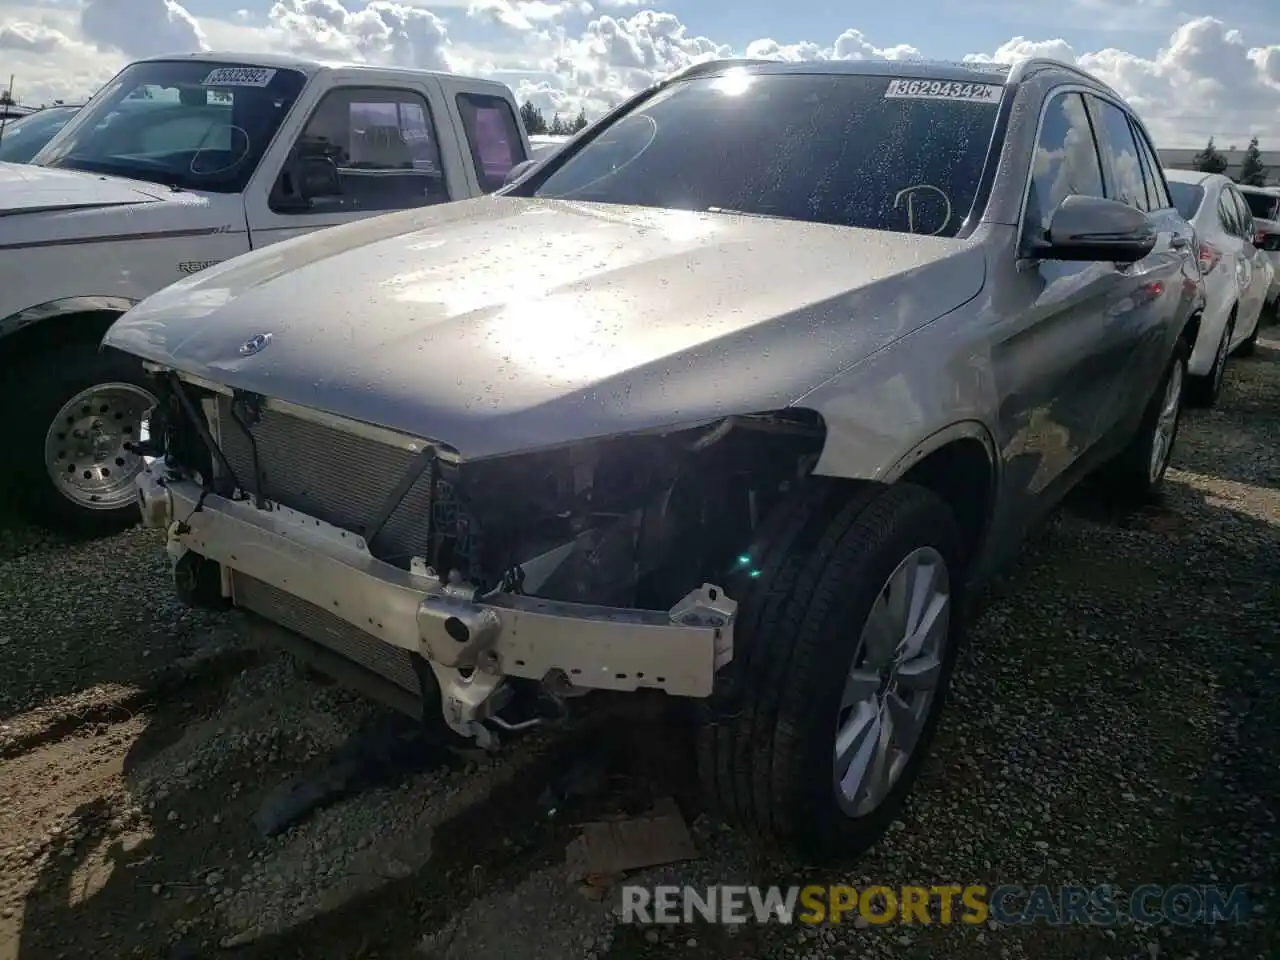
<point x="391" y="140"/>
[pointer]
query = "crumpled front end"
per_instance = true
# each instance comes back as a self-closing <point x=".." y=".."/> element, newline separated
<point x="489" y="590"/>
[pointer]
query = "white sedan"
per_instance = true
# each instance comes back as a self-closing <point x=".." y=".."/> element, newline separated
<point x="1237" y="275"/>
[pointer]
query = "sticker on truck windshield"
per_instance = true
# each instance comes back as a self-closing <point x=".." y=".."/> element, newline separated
<point x="943" y="90"/>
<point x="239" y="77"/>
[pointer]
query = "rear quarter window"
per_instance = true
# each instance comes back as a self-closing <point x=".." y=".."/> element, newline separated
<point x="493" y="137"/>
<point x="1187" y="197"/>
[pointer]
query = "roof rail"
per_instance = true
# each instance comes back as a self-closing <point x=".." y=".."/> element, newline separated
<point x="1022" y="69"/>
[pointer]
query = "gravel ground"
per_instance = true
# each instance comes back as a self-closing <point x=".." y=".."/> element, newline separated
<point x="1114" y="721"/>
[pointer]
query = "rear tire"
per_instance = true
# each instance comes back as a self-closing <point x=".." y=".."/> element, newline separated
<point x="768" y="759"/>
<point x="1204" y="391"/>
<point x="1138" y="471"/>
<point x="82" y="438"/>
<point x="1249" y="346"/>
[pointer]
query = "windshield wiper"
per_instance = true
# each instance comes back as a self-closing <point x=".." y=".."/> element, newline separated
<point x="748" y="213"/>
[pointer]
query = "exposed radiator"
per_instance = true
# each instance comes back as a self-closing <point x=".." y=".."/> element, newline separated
<point x="334" y="476"/>
<point x="320" y="626"/>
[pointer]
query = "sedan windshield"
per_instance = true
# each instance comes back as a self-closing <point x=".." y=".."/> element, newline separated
<point x="877" y="152"/>
<point x="1186" y="197"/>
<point x="190" y="124"/>
<point x="21" y="139"/>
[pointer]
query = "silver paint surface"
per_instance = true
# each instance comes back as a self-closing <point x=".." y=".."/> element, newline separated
<point x="502" y="324"/>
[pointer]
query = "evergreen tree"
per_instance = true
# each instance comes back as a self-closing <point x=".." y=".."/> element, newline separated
<point x="532" y="117"/>
<point x="580" y="120"/>
<point x="1210" y="159"/>
<point x="1252" y="171"/>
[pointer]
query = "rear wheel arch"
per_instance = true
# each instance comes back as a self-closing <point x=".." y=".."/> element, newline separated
<point x="1191" y="329"/>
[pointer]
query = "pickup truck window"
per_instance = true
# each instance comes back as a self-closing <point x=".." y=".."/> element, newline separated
<point x="190" y="124"/>
<point x="493" y="136"/>
<point x="384" y="145"/>
<point x="859" y="151"/>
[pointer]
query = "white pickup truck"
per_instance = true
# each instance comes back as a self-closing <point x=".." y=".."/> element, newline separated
<point x="179" y="163"/>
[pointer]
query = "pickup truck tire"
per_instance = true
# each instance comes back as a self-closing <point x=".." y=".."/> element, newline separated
<point x="1136" y="473"/>
<point x="80" y="404"/>
<point x="810" y="642"/>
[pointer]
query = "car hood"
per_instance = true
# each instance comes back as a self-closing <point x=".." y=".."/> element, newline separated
<point x="25" y="188"/>
<point x="501" y="323"/>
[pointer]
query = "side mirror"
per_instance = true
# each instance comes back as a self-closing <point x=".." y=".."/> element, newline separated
<point x="318" y="177"/>
<point x="518" y="171"/>
<point x="1094" y="229"/>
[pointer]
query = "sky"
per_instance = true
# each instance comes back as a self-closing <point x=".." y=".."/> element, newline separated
<point x="1191" y="68"/>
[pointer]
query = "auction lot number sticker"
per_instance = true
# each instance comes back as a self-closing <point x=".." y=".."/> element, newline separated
<point x="943" y="90"/>
<point x="239" y="77"/>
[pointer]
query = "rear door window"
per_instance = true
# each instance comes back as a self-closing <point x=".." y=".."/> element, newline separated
<point x="1157" y="195"/>
<point x="1228" y="215"/>
<point x="1243" y="212"/>
<point x="493" y="136"/>
<point x="1120" y="155"/>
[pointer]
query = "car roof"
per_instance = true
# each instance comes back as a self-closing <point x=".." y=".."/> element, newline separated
<point x="966" y="71"/>
<point x="305" y="65"/>
<point x="1249" y="188"/>
<point x="1189" y="176"/>
<point x="921" y="69"/>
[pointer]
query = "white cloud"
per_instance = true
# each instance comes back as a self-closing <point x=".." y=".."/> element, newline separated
<point x="1206" y="78"/>
<point x="141" y="28"/>
<point x="381" y="32"/>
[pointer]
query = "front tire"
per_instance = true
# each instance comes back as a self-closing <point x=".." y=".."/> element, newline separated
<point x="81" y="405"/>
<point x="845" y="645"/>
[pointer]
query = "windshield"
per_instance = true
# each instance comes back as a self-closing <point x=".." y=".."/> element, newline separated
<point x="1263" y="205"/>
<point x="1186" y="197"/>
<point x="854" y="150"/>
<point x="192" y="124"/>
<point x="21" y="139"/>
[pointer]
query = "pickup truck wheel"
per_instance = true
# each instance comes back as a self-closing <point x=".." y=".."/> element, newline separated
<point x="1138" y="471"/>
<point x="844" y="651"/>
<point x="81" y="407"/>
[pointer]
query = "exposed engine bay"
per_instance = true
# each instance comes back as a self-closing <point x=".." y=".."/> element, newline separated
<point x="630" y="521"/>
<point x="610" y="534"/>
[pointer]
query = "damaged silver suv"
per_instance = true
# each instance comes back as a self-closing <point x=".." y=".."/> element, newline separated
<point x="730" y="398"/>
